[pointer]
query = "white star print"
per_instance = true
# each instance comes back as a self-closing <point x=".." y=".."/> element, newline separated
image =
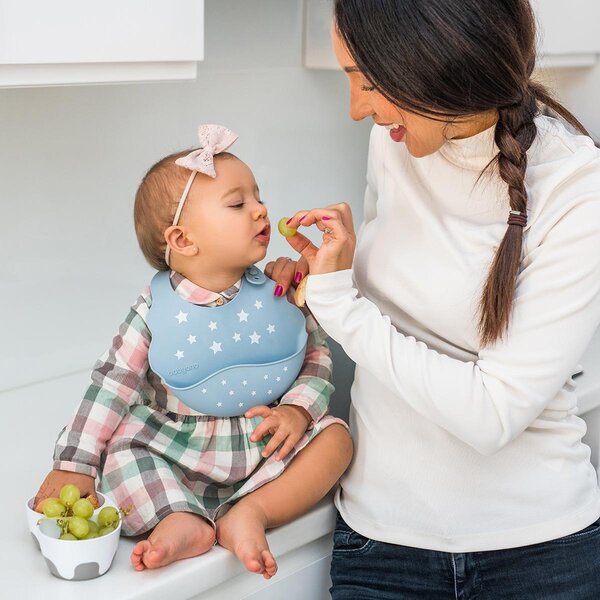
<point x="253" y="393"/>
<point x="258" y="305"/>
<point x="204" y="390"/>
<point x="241" y="404"/>
<point x="181" y="317"/>
<point x="236" y="337"/>
<point x="212" y="325"/>
<point x="266" y="377"/>
<point x="179" y="354"/>
<point x="244" y="382"/>
<point x="223" y="381"/>
<point x="231" y="392"/>
<point x="243" y="316"/>
<point x="219" y="404"/>
<point x="216" y="347"/>
<point x="254" y="337"/>
<point x="191" y="339"/>
<point x="271" y="328"/>
<point x="279" y="379"/>
<point x="270" y="392"/>
<point x="285" y="368"/>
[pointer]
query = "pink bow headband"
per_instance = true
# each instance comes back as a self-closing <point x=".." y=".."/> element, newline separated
<point x="213" y="140"/>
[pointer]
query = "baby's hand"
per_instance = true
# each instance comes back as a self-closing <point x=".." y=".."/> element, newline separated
<point x="56" y="479"/>
<point x="287" y="424"/>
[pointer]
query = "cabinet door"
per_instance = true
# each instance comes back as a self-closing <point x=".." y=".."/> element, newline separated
<point x="568" y="31"/>
<point x="75" y="41"/>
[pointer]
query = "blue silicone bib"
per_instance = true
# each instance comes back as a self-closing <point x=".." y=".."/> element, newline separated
<point x="223" y="360"/>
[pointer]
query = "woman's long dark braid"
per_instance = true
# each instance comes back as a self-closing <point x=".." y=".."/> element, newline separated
<point x="515" y="132"/>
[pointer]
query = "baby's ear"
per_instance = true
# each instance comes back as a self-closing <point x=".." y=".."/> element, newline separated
<point x="178" y="242"/>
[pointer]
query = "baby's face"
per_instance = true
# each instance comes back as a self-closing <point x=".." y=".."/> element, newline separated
<point x="225" y="217"/>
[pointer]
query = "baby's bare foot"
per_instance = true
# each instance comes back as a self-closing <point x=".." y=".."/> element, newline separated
<point x="242" y="531"/>
<point x="178" y="535"/>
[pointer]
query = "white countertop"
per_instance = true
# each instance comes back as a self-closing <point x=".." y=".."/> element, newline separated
<point x="25" y="460"/>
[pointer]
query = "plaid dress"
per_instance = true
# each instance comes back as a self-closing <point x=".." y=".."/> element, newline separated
<point x="159" y="456"/>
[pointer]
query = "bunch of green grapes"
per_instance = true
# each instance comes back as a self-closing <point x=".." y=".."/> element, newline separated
<point x="70" y="516"/>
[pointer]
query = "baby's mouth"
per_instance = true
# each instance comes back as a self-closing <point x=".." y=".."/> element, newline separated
<point x="265" y="232"/>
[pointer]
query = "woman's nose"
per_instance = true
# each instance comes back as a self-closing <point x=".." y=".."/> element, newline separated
<point x="359" y="107"/>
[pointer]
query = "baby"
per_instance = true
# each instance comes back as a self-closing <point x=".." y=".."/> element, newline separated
<point x="208" y="415"/>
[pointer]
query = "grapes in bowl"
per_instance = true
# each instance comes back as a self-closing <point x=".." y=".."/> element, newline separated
<point x="78" y="537"/>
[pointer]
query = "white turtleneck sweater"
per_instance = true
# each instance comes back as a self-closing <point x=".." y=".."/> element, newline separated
<point x="461" y="448"/>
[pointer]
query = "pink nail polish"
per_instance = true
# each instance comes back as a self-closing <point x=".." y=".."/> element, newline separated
<point x="278" y="290"/>
<point x="325" y="218"/>
<point x="289" y="221"/>
<point x="302" y="219"/>
<point x="298" y="277"/>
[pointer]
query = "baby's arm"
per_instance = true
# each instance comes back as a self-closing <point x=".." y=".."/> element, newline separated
<point x="115" y="386"/>
<point x="304" y="403"/>
<point x="313" y="387"/>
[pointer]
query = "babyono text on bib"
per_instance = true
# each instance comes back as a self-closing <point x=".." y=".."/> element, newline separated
<point x="223" y="360"/>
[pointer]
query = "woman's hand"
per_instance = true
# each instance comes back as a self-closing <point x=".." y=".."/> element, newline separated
<point x="286" y="423"/>
<point x="339" y="240"/>
<point x="55" y="480"/>
<point x="286" y="272"/>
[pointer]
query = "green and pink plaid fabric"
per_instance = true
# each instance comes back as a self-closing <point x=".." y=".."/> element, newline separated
<point x="154" y="453"/>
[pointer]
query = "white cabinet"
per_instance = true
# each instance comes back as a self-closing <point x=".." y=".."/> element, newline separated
<point x="80" y="41"/>
<point x="569" y="33"/>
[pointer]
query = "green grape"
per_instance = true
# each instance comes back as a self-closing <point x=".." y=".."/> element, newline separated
<point x="79" y="527"/>
<point x="284" y="230"/>
<point x="106" y="530"/>
<point x="67" y="536"/>
<point x="91" y="535"/>
<point x="69" y="494"/>
<point x="108" y="516"/>
<point x="53" y="507"/>
<point x="83" y="508"/>
<point x="93" y="526"/>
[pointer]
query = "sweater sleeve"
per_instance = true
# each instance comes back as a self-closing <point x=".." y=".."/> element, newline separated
<point x="115" y="386"/>
<point x="313" y="387"/>
<point x="489" y="402"/>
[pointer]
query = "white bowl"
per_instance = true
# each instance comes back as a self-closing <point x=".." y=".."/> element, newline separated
<point x="75" y="560"/>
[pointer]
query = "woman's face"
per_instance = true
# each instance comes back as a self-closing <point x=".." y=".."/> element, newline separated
<point x="422" y="135"/>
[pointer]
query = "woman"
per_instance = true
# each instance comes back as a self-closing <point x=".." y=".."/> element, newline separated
<point x="473" y="290"/>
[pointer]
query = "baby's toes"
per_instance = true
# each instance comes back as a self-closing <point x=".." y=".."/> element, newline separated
<point x="137" y="555"/>
<point x="269" y="563"/>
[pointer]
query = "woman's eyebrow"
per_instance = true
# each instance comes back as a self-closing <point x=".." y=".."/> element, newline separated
<point x="353" y="69"/>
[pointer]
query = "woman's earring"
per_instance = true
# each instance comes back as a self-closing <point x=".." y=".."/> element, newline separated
<point x="195" y="250"/>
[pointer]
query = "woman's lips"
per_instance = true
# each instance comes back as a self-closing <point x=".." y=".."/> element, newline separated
<point x="397" y="132"/>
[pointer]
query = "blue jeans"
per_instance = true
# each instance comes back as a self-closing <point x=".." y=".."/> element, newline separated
<point x="566" y="568"/>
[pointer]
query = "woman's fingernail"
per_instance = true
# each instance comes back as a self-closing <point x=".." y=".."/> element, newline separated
<point x="298" y="277"/>
<point x="301" y="219"/>
<point x="289" y="220"/>
<point x="325" y="218"/>
<point x="278" y="290"/>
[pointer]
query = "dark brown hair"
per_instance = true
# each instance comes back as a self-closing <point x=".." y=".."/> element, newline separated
<point x="450" y="59"/>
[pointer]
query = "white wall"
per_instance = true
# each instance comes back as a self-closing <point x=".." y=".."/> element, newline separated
<point x="71" y="159"/>
<point x="579" y="91"/>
